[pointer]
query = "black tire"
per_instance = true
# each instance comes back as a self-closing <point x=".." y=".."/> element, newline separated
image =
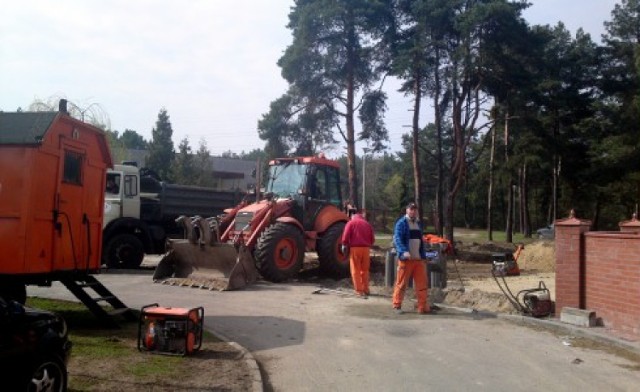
<point x="279" y="252"/>
<point x="47" y="374"/>
<point x="13" y="291"/>
<point x="332" y="260"/>
<point x="124" y="251"/>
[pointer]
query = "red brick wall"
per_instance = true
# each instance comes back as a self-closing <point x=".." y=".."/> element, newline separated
<point x="599" y="271"/>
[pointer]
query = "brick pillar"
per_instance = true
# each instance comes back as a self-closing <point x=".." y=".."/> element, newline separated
<point x="570" y="262"/>
<point x="630" y="226"/>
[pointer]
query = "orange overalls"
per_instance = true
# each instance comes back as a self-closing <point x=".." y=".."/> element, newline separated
<point x="418" y="270"/>
<point x="408" y="240"/>
<point x="359" y="262"/>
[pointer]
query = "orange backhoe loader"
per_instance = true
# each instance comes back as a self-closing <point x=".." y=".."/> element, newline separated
<point x="300" y="211"/>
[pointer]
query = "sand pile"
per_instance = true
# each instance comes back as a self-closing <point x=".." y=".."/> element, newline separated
<point x="539" y="256"/>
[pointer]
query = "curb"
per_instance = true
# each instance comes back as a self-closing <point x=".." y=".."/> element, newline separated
<point x="583" y="332"/>
<point x="252" y="364"/>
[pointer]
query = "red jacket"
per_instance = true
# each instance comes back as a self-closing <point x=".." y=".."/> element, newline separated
<point x="358" y="232"/>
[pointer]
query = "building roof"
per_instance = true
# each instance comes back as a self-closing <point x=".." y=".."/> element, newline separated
<point x="25" y="127"/>
<point x="232" y="165"/>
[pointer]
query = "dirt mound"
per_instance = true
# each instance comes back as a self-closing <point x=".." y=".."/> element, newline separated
<point x="479" y="300"/>
<point x="537" y="262"/>
<point x="481" y="253"/>
<point x="539" y="256"/>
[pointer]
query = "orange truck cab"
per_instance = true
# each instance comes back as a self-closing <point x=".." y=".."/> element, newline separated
<point x="52" y="177"/>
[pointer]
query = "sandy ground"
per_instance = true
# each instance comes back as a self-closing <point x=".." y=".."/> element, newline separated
<point x="470" y="283"/>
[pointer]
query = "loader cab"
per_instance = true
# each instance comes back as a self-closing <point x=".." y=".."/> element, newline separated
<point x="312" y="182"/>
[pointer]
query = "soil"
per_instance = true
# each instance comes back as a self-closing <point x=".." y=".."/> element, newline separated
<point x="470" y="283"/>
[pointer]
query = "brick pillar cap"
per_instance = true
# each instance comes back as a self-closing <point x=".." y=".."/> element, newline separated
<point x="572" y="221"/>
<point x="634" y="222"/>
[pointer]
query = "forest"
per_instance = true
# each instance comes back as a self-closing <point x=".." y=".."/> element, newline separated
<point x="530" y="121"/>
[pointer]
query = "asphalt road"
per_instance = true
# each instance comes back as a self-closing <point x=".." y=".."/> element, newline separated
<point x="330" y="342"/>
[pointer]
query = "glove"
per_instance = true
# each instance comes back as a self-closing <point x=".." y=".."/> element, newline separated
<point x="405" y="256"/>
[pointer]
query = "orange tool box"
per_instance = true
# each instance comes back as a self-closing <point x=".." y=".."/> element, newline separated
<point x="170" y="331"/>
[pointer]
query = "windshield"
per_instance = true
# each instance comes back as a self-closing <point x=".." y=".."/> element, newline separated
<point x="286" y="180"/>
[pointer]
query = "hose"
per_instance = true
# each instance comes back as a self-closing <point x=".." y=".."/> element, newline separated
<point x="510" y="297"/>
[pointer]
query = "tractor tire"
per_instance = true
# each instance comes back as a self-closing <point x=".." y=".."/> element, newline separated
<point x="124" y="251"/>
<point x="279" y="252"/>
<point x="332" y="261"/>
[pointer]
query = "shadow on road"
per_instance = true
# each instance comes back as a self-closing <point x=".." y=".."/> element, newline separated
<point x="259" y="332"/>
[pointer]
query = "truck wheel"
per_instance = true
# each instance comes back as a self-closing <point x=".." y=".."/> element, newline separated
<point x="279" y="252"/>
<point x="13" y="291"/>
<point x="332" y="260"/>
<point x="124" y="251"/>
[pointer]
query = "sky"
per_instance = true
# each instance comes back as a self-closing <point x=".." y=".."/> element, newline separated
<point x="211" y="64"/>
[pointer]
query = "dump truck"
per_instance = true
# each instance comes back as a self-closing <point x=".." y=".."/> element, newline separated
<point x="301" y="210"/>
<point x="141" y="209"/>
<point x="52" y="177"/>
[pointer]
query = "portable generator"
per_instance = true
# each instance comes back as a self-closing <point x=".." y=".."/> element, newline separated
<point x="170" y="331"/>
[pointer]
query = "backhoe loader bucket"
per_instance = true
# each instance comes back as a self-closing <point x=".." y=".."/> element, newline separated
<point x="215" y="267"/>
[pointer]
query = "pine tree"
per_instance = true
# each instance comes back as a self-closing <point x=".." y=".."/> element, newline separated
<point x="161" y="153"/>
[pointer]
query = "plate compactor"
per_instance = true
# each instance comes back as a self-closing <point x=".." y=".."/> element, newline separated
<point x="534" y="302"/>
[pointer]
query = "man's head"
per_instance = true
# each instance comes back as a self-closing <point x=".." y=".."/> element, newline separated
<point x="412" y="210"/>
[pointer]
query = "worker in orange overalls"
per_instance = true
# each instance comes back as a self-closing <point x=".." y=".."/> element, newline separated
<point x="407" y="238"/>
<point x="357" y="238"/>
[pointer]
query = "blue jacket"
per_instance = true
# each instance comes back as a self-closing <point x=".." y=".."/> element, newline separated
<point x="401" y="237"/>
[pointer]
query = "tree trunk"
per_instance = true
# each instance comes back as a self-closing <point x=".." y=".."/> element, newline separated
<point x="490" y="192"/>
<point x="351" y="141"/>
<point x="510" y="198"/>
<point x="556" y="174"/>
<point x="417" y="174"/>
<point x="525" y="202"/>
<point x="439" y="213"/>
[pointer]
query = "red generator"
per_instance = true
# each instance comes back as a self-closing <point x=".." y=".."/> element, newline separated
<point x="170" y="331"/>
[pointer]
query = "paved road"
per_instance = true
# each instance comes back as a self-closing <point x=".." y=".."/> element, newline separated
<point x="328" y="342"/>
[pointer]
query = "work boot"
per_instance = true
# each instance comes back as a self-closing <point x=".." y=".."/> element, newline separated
<point x="398" y="310"/>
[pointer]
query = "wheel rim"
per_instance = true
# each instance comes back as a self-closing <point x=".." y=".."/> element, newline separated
<point x="126" y="254"/>
<point x="48" y="377"/>
<point x="286" y="253"/>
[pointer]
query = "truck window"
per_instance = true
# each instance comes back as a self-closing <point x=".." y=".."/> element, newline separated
<point x="72" y="168"/>
<point x="113" y="183"/>
<point x="130" y="185"/>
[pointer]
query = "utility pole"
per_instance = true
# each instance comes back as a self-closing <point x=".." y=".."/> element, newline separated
<point x="365" y="150"/>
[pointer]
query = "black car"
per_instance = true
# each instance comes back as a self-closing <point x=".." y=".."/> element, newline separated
<point x="34" y="349"/>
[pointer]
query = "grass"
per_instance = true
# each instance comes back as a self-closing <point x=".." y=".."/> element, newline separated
<point x="103" y="359"/>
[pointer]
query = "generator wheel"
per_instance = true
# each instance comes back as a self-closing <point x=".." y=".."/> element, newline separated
<point x="279" y="252"/>
<point x="332" y="260"/>
<point x="124" y="251"/>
